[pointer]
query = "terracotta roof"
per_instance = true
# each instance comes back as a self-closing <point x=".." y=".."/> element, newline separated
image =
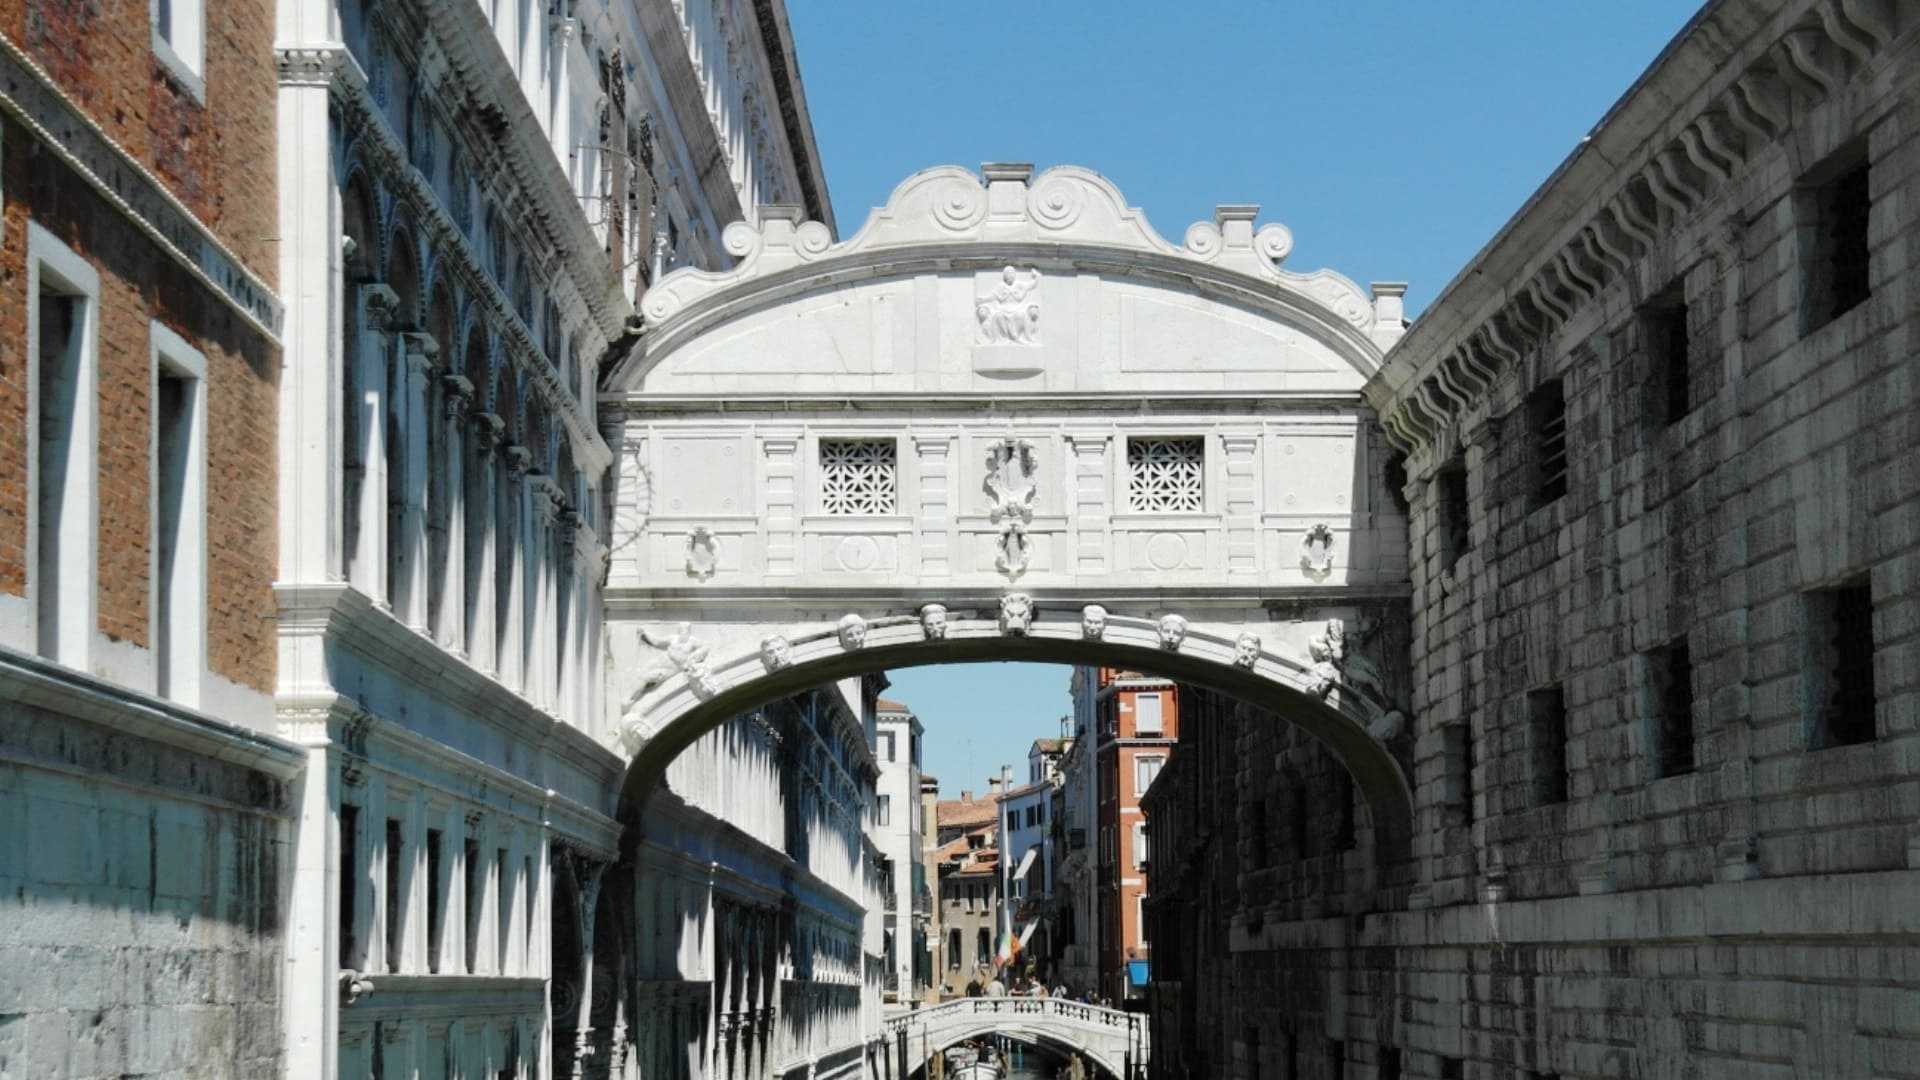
<point x="966" y="813"/>
<point x="1050" y="746"/>
<point x="891" y="706"/>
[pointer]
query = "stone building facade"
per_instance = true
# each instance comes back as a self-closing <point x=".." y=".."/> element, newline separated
<point x="1658" y="465"/>
<point x="147" y="801"/>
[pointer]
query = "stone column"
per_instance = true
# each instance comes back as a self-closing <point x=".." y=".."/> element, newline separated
<point x="543" y="638"/>
<point x="936" y="505"/>
<point x="1091" y="514"/>
<point x="782" y="503"/>
<point x="457" y="395"/>
<point x="1242" y="503"/>
<point x="512" y="550"/>
<point x="482" y="650"/>
<point x="420" y="352"/>
<point x="367" y="562"/>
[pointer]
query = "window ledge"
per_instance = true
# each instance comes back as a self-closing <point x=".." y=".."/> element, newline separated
<point x="177" y="69"/>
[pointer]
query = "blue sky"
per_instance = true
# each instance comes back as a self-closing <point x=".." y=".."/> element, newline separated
<point x="1394" y="139"/>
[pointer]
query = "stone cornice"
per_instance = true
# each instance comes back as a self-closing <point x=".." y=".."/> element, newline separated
<point x="432" y="218"/>
<point x="1723" y="91"/>
<point x="947" y="218"/>
<point x="31" y="97"/>
<point x="776" y="38"/>
<point x="484" y="85"/>
<point x="30" y="681"/>
<point x="346" y="619"/>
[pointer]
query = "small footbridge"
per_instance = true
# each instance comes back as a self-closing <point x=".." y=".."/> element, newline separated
<point x="1113" y="1040"/>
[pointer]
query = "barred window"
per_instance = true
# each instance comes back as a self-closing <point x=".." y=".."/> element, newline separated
<point x="1164" y="476"/>
<point x="858" y="476"/>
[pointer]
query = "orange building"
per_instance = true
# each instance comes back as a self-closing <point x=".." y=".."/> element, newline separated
<point x="1136" y="721"/>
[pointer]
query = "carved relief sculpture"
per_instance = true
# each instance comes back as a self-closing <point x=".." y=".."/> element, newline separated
<point x="703" y="556"/>
<point x="933" y="621"/>
<point x="1246" y="650"/>
<point x="1010" y="313"/>
<point x="1011" y="487"/>
<point x="1329" y="649"/>
<point x="1093" y="622"/>
<point x="1016" y="614"/>
<point x="853" y="632"/>
<point x="1316" y="550"/>
<point x="1173" y="631"/>
<point x="685" y="655"/>
<point x="775" y="652"/>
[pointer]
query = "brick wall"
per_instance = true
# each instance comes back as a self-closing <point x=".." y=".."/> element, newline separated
<point x="139" y="283"/>
<point x="216" y="153"/>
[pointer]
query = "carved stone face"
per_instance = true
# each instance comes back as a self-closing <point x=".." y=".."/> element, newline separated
<point x="775" y="652"/>
<point x="1093" y="622"/>
<point x="853" y="632"/>
<point x="1246" y="650"/>
<point x="1016" y="614"/>
<point x="1173" y="631"/>
<point x="933" y="620"/>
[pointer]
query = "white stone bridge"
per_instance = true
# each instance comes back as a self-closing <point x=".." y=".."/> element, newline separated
<point x="1007" y="420"/>
<point x="1115" y="1041"/>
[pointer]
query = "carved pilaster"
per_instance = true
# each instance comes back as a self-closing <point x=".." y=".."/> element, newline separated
<point x="1090" y="510"/>
<point x="936" y="504"/>
<point x="781" y="453"/>
<point x="1242" y="503"/>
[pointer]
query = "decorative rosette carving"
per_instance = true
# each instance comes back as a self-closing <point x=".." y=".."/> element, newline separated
<point x="959" y="205"/>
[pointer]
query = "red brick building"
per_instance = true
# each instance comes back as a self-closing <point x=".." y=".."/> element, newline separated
<point x="148" y="810"/>
<point x="1137" y="723"/>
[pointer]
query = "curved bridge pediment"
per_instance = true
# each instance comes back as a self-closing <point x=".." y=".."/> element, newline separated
<point x="704" y="673"/>
<point x="1009" y="283"/>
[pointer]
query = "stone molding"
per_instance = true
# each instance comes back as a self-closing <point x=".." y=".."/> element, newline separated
<point x="1595" y="219"/>
<point x="1067" y="216"/>
<point x="62" y="128"/>
<point x="383" y="150"/>
<point x="30" y="681"/>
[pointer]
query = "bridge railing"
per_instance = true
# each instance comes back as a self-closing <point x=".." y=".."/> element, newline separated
<point x="1028" y="1007"/>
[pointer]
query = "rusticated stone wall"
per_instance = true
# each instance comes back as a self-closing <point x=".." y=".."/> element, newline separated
<point x="1665" y="712"/>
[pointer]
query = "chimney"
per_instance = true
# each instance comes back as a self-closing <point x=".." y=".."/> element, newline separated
<point x="993" y="785"/>
<point x="966" y="796"/>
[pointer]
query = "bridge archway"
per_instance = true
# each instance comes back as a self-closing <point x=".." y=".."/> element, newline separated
<point x="1265" y="664"/>
<point x="1106" y="1038"/>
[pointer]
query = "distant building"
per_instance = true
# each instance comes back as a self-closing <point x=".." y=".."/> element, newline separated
<point x="896" y="832"/>
<point x="969" y="882"/>
<point x="931" y="959"/>
<point x="1133" y="722"/>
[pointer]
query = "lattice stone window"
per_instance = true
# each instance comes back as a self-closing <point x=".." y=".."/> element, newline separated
<point x="858" y="477"/>
<point x="1165" y="476"/>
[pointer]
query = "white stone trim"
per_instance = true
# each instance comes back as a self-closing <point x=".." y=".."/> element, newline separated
<point x="181" y="670"/>
<point x="181" y="47"/>
<point x="48" y="258"/>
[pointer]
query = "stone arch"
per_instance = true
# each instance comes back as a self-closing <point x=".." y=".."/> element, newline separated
<point x="692" y="690"/>
<point x="403" y="274"/>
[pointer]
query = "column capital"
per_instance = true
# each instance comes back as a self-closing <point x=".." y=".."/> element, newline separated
<point x="519" y="458"/>
<point x="458" y="390"/>
<point x="381" y="304"/>
<point x="1089" y="442"/>
<point x="933" y="445"/>
<point x="423" y="354"/>
<point x="488" y="430"/>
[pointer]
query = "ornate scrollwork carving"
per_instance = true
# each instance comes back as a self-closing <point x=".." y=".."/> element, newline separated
<point x="703" y="555"/>
<point x="1316" y="549"/>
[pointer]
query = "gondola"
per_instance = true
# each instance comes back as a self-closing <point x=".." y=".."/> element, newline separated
<point x="974" y="1063"/>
